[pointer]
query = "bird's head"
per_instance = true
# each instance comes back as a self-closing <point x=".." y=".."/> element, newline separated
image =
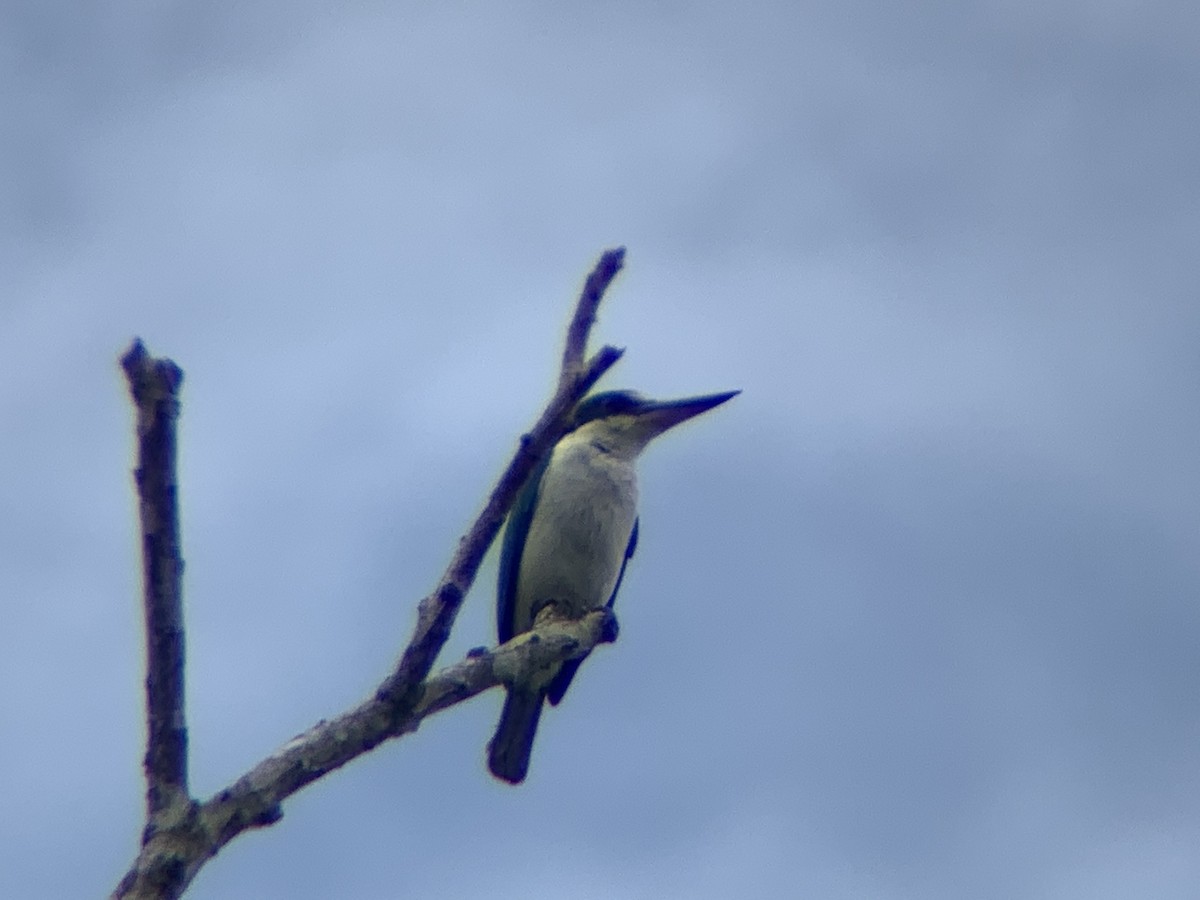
<point x="625" y="421"/>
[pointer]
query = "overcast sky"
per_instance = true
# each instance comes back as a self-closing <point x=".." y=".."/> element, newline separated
<point x="914" y="617"/>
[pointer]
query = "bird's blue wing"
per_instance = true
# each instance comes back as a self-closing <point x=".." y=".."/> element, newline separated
<point x="633" y="536"/>
<point x="519" y="518"/>
<point x="562" y="681"/>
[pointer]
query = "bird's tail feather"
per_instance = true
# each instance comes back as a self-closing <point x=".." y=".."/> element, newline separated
<point x="508" y="752"/>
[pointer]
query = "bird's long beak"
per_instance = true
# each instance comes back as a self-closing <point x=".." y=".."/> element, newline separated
<point x="663" y="414"/>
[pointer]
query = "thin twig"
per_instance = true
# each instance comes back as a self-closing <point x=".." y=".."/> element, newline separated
<point x="597" y="283"/>
<point x="174" y="851"/>
<point x="154" y="384"/>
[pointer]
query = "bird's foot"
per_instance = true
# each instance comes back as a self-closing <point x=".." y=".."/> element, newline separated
<point x="608" y="626"/>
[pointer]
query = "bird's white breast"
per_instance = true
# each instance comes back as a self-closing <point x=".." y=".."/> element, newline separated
<point x="586" y="507"/>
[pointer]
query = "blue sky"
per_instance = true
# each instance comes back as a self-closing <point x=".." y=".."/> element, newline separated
<point x="914" y="617"/>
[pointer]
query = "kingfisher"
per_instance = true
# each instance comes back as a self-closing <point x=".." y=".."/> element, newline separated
<point x="570" y="534"/>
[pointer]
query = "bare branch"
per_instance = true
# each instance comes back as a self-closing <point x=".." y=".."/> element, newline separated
<point x="175" y="846"/>
<point x="551" y="641"/>
<point x="597" y="283"/>
<point x="154" y="384"/>
<point x="171" y="857"/>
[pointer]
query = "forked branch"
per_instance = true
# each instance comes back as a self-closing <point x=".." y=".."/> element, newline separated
<point x="181" y="833"/>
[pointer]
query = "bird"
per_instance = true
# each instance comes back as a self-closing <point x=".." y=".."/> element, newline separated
<point x="571" y="532"/>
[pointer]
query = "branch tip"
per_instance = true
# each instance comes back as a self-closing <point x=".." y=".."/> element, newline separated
<point x="594" y="287"/>
<point x="149" y="378"/>
<point x="132" y="358"/>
